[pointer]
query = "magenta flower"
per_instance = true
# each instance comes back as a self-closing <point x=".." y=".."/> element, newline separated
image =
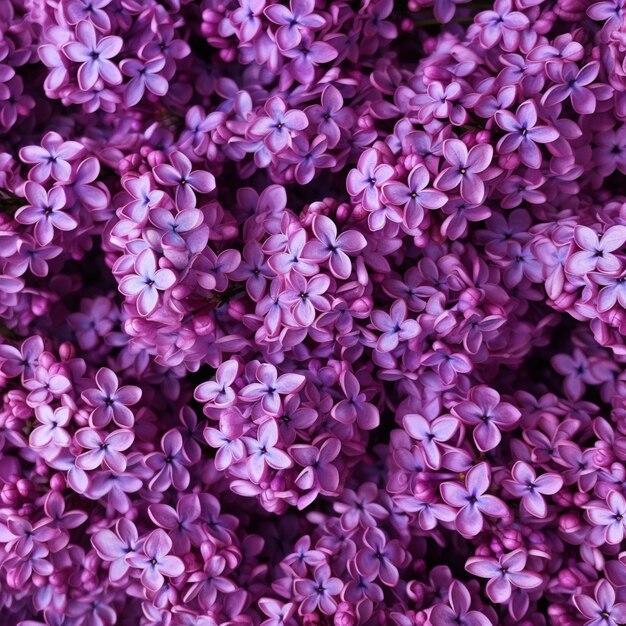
<point x="319" y="593"/>
<point x="207" y="584"/>
<point x="596" y="252"/>
<point x="155" y="561"/>
<point x="414" y="197"/>
<point x="94" y="56"/>
<point x="472" y="500"/>
<point x="182" y="522"/>
<point x="144" y="75"/>
<point x="45" y="211"/>
<point x="488" y="415"/>
<point x="504" y="573"/>
<point x="110" y="401"/>
<point x="572" y="83"/>
<point x="319" y="473"/>
<point x="355" y="407"/>
<point x="103" y="449"/>
<point x="52" y="158"/>
<point x="601" y="610"/>
<point x="307" y="297"/>
<point x="263" y="452"/>
<point x="530" y="489"/>
<point x="276" y="126"/>
<point x="466" y="169"/>
<point x="23" y="361"/>
<point x="330" y="116"/>
<point x="523" y="134"/>
<point x="146" y="282"/>
<point x="219" y="393"/>
<point x="360" y="508"/>
<point x="180" y="175"/>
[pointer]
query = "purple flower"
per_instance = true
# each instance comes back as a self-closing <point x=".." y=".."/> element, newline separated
<point x="276" y="126"/>
<point x="318" y="593"/>
<point x="110" y="401"/>
<point x="505" y="573"/>
<point x="291" y="21"/>
<point x="115" y="547"/>
<point x="380" y="558"/>
<point x="180" y="175"/>
<point x="364" y="182"/>
<point x="601" y="610"/>
<point x="330" y="116"/>
<point x="572" y="83"/>
<point x="52" y="158"/>
<point x="502" y="24"/>
<point x="596" y="252"/>
<point x="609" y="518"/>
<point x="103" y="449"/>
<point x="466" y="169"/>
<point x="169" y="465"/>
<point x="94" y="56"/>
<point x="430" y="434"/>
<point x="459" y="611"/>
<point x="155" y="561"/>
<point x="270" y="386"/>
<point x="487" y="414"/>
<point x="523" y="134"/>
<point x="45" y="211"/>
<point x="52" y="428"/>
<point x="180" y="522"/>
<point x="394" y="325"/>
<point x="146" y="282"/>
<point x="414" y="197"/>
<point x="472" y="500"/>
<point x="144" y="75"/>
<point x="264" y="453"/>
<point x="529" y="488"/>
<point x="355" y="407"/>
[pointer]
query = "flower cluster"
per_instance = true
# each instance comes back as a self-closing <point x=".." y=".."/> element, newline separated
<point x="312" y="313"/>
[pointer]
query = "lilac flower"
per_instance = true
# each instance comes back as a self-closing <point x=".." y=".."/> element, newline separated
<point x="360" y="508"/>
<point x="115" y="547"/>
<point x="523" y="134"/>
<point x="169" y="465"/>
<point x="572" y="83"/>
<point x="144" y="75"/>
<point x="181" y="522"/>
<point x="609" y="518"/>
<point x="466" y="169"/>
<point x="364" y="182"/>
<point x="220" y="392"/>
<point x="459" y="611"/>
<point x="91" y="10"/>
<point x="502" y="23"/>
<point x="52" y="158"/>
<point x="23" y="361"/>
<point x="155" y="561"/>
<point x="330" y="116"/>
<point x="307" y="297"/>
<point x="291" y="21"/>
<point x="430" y="434"/>
<point x="355" y="407"/>
<point x="472" y="501"/>
<point x="601" y="610"/>
<point x="52" y="429"/>
<point x="529" y="488"/>
<point x="414" y="197"/>
<point x="45" y="211"/>
<point x="110" y="401"/>
<point x="180" y="175"/>
<point x="394" y="325"/>
<point x="596" y="252"/>
<point x="504" y="573"/>
<point x="264" y="453"/>
<point x="94" y="56"/>
<point x="208" y="583"/>
<point x="276" y="126"/>
<point x="270" y="386"/>
<point x="319" y="592"/>
<point x="146" y="282"/>
<point x="380" y="557"/>
<point x="319" y="473"/>
<point x="486" y="413"/>
<point x="102" y="448"/>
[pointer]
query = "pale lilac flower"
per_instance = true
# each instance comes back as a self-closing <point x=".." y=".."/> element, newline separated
<point x="364" y="182"/>
<point x="103" y="449"/>
<point x="430" y="434"/>
<point x="94" y="56"/>
<point x="596" y="252"/>
<point x="52" y="158"/>
<point x="504" y="573"/>
<point x="115" y="547"/>
<point x="292" y="20"/>
<point x="472" y="500"/>
<point x="264" y="453"/>
<point x="276" y="126"/>
<point x="52" y="429"/>
<point x="155" y="561"/>
<point x="459" y="611"/>
<point x="602" y="609"/>
<point x="530" y="489"/>
<point x="319" y="593"/>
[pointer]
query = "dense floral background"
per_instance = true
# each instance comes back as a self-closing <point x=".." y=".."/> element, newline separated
<point x="312" y="312"/>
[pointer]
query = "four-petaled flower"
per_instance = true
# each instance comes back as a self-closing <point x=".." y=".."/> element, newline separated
<point x="529" y="488"/>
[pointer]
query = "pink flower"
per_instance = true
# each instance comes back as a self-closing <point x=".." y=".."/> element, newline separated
<point x="459" y="611"/>
<point x="395" y="326"/>
<point x="472" y="501"/>
<point x="596" y="252"/>
<point x="505" y="573"/>
<point x="609" y="518"/>
<point x="52" y="427"/>
<point x="169" y="465"/>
